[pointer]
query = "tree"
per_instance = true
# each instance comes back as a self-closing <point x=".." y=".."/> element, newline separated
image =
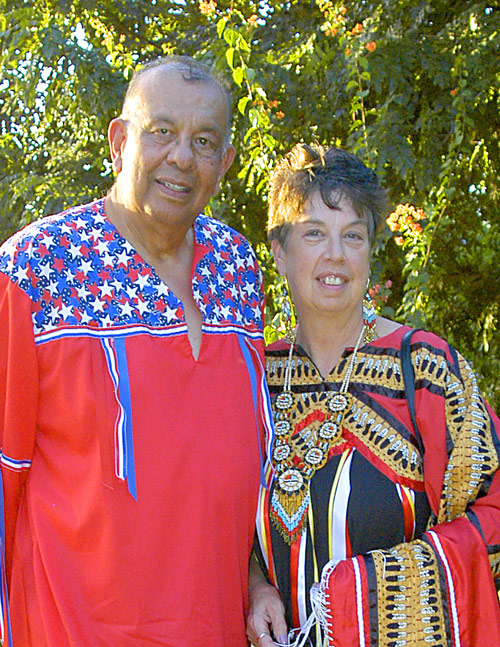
<point x="396" y="82"/>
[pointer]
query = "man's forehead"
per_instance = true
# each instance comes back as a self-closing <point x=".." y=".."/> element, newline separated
<point x="151" y="88"/>
<point x="177" y="74"/>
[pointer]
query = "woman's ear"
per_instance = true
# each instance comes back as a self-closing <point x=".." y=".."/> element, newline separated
<point x="279" y="256"/>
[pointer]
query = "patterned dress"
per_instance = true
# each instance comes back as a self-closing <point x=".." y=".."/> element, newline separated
<point x="402" y="550"/>
<point x="131" y="470"/>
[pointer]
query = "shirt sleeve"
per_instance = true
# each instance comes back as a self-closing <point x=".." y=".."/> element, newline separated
<point x="439" y="586"/>
<point x="18" y="399"/>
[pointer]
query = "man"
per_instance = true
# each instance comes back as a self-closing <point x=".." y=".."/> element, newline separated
<point x="129" y="391"/>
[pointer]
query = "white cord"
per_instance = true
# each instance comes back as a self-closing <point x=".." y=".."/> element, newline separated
<point x="300" y="639"/>
<point x="319" y="615"/>
<point x="383" y="557"/>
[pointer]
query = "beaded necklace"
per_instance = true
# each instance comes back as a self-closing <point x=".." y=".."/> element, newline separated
<point x="301" y="449"/>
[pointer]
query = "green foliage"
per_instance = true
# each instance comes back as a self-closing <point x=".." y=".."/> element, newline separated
<point x="412" y="86"/>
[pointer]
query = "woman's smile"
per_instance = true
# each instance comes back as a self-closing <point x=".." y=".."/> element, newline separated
<point x="332" y="280"/>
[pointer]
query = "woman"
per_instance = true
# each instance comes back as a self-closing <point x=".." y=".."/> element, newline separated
<point x="398" y="522"/>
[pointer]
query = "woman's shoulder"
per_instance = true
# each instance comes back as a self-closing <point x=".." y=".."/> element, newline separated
<point x="391" y="334"/>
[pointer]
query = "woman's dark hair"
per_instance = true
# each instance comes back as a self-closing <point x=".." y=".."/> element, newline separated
<point x="335" y="175"/>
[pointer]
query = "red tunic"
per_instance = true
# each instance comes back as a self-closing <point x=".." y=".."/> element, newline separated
<point x="130" y="469"/>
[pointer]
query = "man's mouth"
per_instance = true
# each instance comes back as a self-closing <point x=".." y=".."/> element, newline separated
<point x="174" y="187"/>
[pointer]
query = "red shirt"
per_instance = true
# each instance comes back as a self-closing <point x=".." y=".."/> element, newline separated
<point x="130" y="469"/>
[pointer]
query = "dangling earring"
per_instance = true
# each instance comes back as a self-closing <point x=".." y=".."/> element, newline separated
<point x="369" y="315"/>
<point x="287" y="312"/>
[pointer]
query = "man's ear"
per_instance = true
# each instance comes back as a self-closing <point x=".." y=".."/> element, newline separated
<point x="225" y="165"/>
<point x="279" y="256"/>
<point x="117" y="136"/>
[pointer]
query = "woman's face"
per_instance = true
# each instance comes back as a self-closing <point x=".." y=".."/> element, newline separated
<point x="326" y="260"/>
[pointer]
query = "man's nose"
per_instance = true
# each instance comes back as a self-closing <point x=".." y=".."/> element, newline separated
<point x="181" y="153"/>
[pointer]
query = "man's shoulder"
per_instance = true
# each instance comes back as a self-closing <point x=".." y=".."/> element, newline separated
<point x="212" y="231"/>
<point x="55" y="225"/>
<point x="227" y="276"/>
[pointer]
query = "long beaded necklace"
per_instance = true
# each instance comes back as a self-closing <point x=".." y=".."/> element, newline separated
<point x="300" y="448"/>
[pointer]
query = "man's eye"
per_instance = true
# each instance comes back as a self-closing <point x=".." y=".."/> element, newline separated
<point x="204" y="142"/>
<point x="161" y="133"/>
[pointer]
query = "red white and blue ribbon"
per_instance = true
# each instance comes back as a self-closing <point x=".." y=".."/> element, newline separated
<point x="116" y="357"/>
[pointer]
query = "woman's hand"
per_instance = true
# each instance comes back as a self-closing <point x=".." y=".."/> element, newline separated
<point x="267" y="613"/>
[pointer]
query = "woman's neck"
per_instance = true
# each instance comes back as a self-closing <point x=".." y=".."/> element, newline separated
<point x="325" y="341"/>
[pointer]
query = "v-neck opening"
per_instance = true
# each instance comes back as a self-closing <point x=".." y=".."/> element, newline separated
<point x="197" y="256"/>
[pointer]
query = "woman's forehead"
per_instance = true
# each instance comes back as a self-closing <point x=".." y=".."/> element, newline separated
<point x="316" y="207"/>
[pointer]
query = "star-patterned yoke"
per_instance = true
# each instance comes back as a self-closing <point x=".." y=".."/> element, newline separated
<point x="79" y="271"/>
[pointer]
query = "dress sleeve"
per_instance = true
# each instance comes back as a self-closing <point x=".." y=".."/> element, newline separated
<point x="18" y="399"/>
<point x="437" y="589"/>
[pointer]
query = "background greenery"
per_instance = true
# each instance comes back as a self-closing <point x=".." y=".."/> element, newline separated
<point x="412" y="86"/>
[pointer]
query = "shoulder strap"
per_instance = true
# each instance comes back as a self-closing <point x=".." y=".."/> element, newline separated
<point x="409" y="384"/>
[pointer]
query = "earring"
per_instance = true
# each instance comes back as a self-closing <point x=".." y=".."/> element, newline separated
<point x="369" y="315"/>
<point x="287" y="311"/>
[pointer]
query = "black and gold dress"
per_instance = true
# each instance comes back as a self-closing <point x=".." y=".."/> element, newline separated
<point x="404" y="548"/>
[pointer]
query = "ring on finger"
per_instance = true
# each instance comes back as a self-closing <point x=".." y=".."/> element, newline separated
<point x="264" y="633"/>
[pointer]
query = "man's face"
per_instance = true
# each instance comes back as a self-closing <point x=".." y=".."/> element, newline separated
<point x="168" y="151"/>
